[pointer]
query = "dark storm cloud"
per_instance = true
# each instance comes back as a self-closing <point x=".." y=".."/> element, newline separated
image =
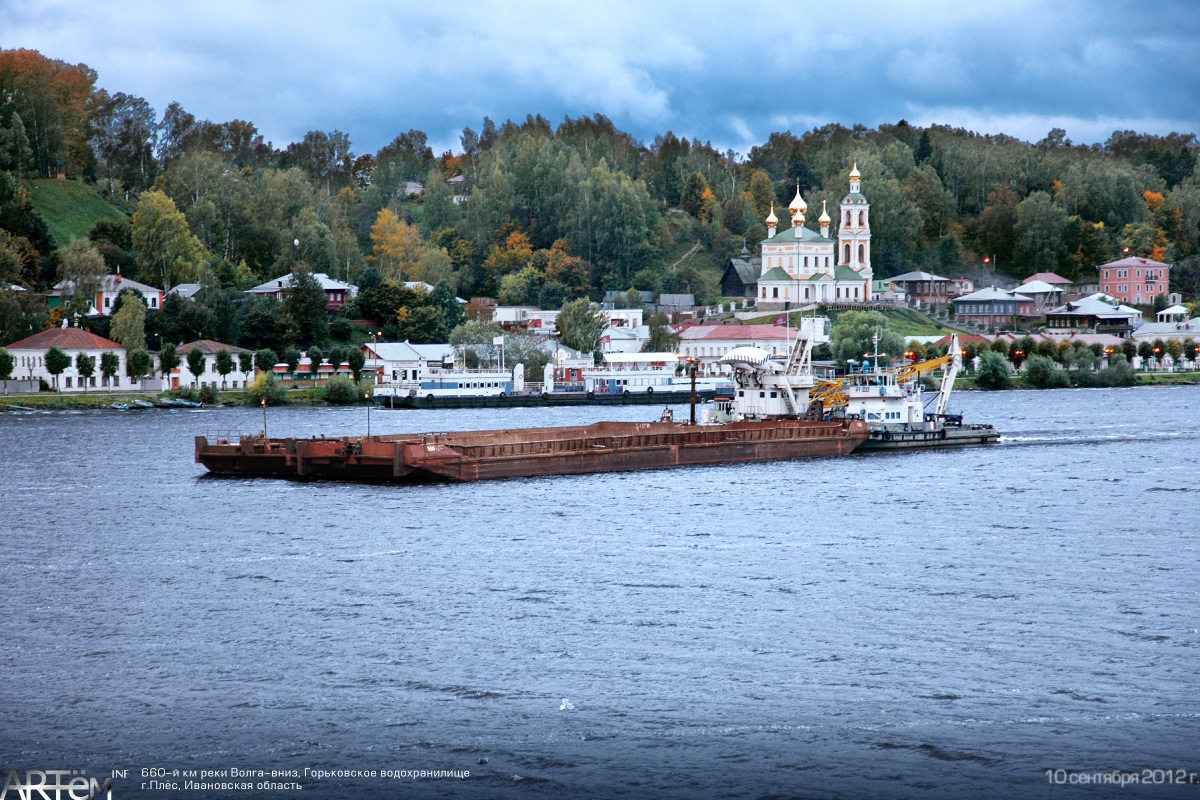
<point x="708" y="70"/>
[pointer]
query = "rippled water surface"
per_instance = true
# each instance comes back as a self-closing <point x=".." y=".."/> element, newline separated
<point x="943" y="624"/>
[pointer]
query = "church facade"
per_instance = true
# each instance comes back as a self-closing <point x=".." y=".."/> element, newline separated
<point x="801" y="266"/>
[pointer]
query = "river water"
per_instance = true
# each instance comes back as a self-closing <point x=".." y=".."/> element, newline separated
<point x="935" y="624"/>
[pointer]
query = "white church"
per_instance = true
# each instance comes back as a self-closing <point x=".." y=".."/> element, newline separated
<point x="801" y="266"/>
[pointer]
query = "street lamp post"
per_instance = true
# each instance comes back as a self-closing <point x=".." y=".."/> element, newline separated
<point x="367" y="397"/>
<point x="264" y="407"/>
<point x="692" y="363"/>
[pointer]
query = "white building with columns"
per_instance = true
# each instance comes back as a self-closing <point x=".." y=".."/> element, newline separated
<point x="802" y="266"/>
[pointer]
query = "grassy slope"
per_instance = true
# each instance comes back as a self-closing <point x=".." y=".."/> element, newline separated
<point x="904" y="321"/>
<point x="70" y="208"/>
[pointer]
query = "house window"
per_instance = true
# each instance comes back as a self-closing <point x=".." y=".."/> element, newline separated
<point x="862" y="253"/>
<point x="862" y="219"/>
<point x="68" y="383"/>
<point x="775" y="292"/>
<point x="846" y="257"/>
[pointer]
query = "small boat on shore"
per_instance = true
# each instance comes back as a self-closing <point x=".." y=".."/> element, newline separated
<point x="119" y="406"/>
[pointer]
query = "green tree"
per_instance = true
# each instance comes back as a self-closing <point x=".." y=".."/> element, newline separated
<point x="1146" y="351"/>
<point x="341" y="391"/>
<point x="446" y="300"/>
<point x="662" y="338"/>
<point x="552" y="295"/>
<point x="421" y="325"/>
<point x="581" y="322"/>
<point x="520" y="288"/>
<point x="1175" y="350"/>
<point x="1041" y="373"/>
<point x="162" y="242"/>
<point x="265" y="360"/>
<point x="1119" y="372"/>
<point x="110" y="365"/>
<point x="137" y="364"/>
<point x="6" y="364"/>
<point x="993" y="372"/>
<point x="195" y="363"/>
<point x="85" y="365"/>
<point x="1040" y="234"/>
<point x="853" y="335"/>
<point x="305" y="304"/>
<point x="291" y="357"/>
<point x="56" y="362"/>
<point x="695" y="194"/>
<point x="245" y="365"/>
<point x="81" y="274"/>
<point x="314" y="362"/>
<point x="357" y="361"/>
<point x="129" y="322"/>
<point x="224" y="365"/>
<point x="168" y="360"/>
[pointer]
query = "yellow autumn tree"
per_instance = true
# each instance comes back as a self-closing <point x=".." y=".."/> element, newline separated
<point x="396" y="247"/>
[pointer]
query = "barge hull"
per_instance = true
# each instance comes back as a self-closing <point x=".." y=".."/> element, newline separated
<point x="603" y="447"/>
<point x="944" y="437"/>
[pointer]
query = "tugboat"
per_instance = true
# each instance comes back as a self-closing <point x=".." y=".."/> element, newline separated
<point x="889" y="401"/>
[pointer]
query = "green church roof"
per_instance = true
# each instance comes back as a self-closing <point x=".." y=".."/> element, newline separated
<point x="785" y="235"/>
<point x="844" y="273"/>
<point x="776" y="274"/>
<point x="856" y="198"/>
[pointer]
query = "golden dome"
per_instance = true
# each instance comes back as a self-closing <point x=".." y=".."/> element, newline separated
<point x="824" y="218"/>
<point x="798" y="204"/>
<point x="854" y="173"/>
<point x="771" y="218"/>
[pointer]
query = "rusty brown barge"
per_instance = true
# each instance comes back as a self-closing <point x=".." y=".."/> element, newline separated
<point x="478" y="455"/>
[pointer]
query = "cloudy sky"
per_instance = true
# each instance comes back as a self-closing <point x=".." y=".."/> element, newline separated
<point x="726" y="72"/>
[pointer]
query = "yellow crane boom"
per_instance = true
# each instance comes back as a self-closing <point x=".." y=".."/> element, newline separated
<point x="832" y="394"/>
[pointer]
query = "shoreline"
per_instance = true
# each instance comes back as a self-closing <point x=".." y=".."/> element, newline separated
<point x="69" y="402"/>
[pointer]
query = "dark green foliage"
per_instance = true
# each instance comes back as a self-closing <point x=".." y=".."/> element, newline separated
<point x="993" y="372"/>
<point x="1041" y="373"/>
<point x="137" y="364"/>
<point x="195" y="363"/>
<point x="854" y="335"/>
<point x="304" y="303"/>
<point x="291" y="357"/>
<point x="422" y="325"/>
<point x="110" y="364"/>
<point x="357" y="361"/>
<point x="314" y="361"/>
<point x="1119" y="372"/>
<point x="581" y="324"/>
<point x="224" y="364"/>
<point x="552" y="295"/>
<point x="208" y="395"/>
<point x="265" y="360"/>
<point x="6" y="364"/>
<point x="246" y="361"/>
<point x="168" y="359"/>
<point x="341" y="391"/>
<point x="85" y="365"/>
<point x="369" y="279"/>
<point x="662" y="339"/>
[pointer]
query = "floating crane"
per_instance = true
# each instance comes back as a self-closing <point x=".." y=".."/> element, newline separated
<point x="832" y="394"/>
